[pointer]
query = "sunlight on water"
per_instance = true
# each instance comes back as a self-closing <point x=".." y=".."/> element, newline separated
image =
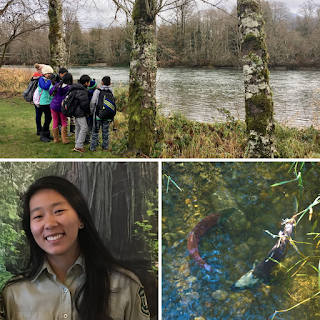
<point x="241" y="193"/>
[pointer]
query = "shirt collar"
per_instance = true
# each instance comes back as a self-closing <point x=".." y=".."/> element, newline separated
<point x="46" y="265"/>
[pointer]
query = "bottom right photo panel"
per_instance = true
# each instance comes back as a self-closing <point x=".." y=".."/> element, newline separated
<point x="240" y="240"/>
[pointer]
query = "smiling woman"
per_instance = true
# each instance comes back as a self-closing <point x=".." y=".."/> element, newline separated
<point x="71" y="274"/>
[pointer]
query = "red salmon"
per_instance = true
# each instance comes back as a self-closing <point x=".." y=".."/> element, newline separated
<point x="197" y="232"/>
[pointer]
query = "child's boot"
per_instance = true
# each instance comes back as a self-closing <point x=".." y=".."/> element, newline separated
<point x="55" y="133"/>
<point x="64" y="135"/>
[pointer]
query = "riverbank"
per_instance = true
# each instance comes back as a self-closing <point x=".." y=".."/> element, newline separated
<point x="177" y="137"/>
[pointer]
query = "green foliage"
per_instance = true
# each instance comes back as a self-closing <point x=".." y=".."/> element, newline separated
<point x="147" y="231"/>
<point x="15" y="178"/>
<point x="121" y="94"/>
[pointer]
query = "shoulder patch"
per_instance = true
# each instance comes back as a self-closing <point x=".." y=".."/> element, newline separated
<point x="143" y="302"/>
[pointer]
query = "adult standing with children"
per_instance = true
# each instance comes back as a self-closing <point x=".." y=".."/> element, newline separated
<point x="58" y="92"/>
<point x="44" y="85"/>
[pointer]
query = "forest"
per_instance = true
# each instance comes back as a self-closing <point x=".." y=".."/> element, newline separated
<point x="187" y="37"/>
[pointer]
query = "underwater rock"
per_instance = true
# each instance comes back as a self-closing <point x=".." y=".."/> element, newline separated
<point x="192" y="279"/>
<point x="220" y="295"/>
<point x="242" y="250"/>
<point x="176" y="244"/>
<point x="222" y="199"/>
<point x="251" y="241"/>
<point x="236" y="222"/>
<point x="199" y="318"/>
<point x="166" y="237"/>
<point x="234" y="296"/>
<point x="187" y="201"/>
<point x="190" y="297"/>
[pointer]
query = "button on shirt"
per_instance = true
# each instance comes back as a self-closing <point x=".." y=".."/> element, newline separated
<point x="46" y="298"/>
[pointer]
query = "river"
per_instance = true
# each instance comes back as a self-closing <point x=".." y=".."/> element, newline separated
<point x="248" y="205"/>
<point x="199" y="92"/>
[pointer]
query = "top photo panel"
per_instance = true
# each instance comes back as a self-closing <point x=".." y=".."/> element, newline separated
<point x="160" y="79"/>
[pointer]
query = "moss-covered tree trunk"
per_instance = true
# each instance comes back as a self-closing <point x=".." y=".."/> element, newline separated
<point x="142" y="87"/>
<point x="258" y="95"/>
<point x="58" y="51"/>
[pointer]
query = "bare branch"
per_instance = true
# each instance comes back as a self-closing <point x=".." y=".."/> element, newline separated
<point x="2" y="11"/>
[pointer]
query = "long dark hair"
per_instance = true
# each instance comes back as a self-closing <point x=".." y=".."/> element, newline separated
<point x="66" y="79"/>
<point x="92" y="298"/>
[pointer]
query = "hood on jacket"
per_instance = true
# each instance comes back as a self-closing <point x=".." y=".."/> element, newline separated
<point x="63" y="90"/>
<point x="103" y="87"/>
<point x="77" y="86"/>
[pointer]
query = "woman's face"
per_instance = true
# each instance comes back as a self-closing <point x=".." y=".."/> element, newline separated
<point x="47" y="75"/>
<point x="54" y="223"/>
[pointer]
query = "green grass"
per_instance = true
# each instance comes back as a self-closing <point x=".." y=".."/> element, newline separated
<point x="18" y="137"/>
<point x="177" y="137"/>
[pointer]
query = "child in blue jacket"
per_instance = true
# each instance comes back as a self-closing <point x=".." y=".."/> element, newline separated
<point x="44" y="85"/>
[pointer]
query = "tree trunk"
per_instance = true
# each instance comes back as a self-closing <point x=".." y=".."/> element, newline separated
<point x="142" y="87"/>
<point x="258" y="95"/>
<point x="58" y="50"/>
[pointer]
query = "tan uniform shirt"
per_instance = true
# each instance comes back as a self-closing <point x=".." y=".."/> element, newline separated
<point x="46" y="298"/>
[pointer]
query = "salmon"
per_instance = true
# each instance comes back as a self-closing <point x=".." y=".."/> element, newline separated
<point x="194" y="237"/>
<point x="278" y="252"/>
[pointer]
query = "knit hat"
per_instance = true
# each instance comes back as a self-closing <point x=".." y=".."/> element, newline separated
<point x="92" y="84"/>
<point x="46" y="69"/>
<point x="38" y="67"/>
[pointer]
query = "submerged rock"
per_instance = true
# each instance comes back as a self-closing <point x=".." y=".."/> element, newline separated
<point x="220" y="295"/>
<point x="242" y="250"/>
<point x="251" y="241"/>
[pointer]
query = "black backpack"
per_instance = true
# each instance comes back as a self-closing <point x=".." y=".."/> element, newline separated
<point x="68" y="105"/>
<point x="31" y="88"/>
<point x="106" y="107"/>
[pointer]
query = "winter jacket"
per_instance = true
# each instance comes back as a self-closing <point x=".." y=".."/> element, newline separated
<point x="55" y="104"/>
<point x="44" y="85"/>
<point x="82" y="100"/>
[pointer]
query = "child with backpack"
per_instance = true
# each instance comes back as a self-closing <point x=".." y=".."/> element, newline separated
<point x="81" y="110"/>
<point x="59" y="91"/>
<point x="103" y="108"/>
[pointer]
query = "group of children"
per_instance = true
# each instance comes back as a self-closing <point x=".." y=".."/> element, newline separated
<point x="87" y="124"/>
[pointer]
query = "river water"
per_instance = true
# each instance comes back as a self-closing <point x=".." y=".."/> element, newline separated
<point x="243" y="190"/>
<point x="199" y="93"/>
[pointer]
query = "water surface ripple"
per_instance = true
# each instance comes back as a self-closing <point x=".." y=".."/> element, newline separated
<point x="199" y="93"/>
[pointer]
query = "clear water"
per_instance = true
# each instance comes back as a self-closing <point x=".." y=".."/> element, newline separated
<point x="210" y="187"/>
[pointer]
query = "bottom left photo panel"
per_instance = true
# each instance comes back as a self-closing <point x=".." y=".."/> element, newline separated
<point x="79" y="240"/>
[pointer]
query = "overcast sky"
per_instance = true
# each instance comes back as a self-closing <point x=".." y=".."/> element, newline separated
<point x="95" y="12"/>
<point x="293" y="5"/>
